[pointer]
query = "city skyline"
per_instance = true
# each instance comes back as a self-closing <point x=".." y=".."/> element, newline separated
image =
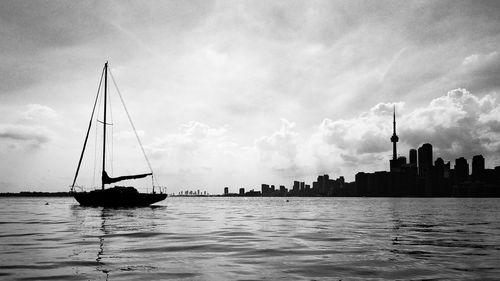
<point x="239" y="93"/>
<point x="420" y="177"/>
<point x="469" y="176"/>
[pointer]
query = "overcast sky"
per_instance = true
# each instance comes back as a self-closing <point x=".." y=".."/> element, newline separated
<point x="239" y="93"/>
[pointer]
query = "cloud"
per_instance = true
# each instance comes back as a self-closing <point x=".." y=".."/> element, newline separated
<point x="367" y="133"/>
<point x="279" y="150"/>
<point x="457" y="124"/>
<point x="30" y="136"/>
<point x="191" y="138"/>
<point x="38" y="113"/>
<point x="346" y="145"/>
<point x="480" y="72"/>
<point x="199" y="155"/>
<point x="29" y="128"/>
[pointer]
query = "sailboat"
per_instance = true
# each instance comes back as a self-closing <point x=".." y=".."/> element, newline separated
<point x="116" y="196"/>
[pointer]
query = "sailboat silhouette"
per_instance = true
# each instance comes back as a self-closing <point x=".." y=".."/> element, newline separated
<point x="117" y="196"/>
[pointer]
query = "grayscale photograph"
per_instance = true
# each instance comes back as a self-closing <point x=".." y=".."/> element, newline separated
<point x="249" y="140"/>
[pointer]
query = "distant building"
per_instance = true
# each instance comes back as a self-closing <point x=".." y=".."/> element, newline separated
<point x="252" y="193"/>
<point x="265" y="189"/>
<point x="441" y="185"/>
<point x="242" y="191"/>
<point x="424" y="159"/>
<point x="461" y="170"/>
<point x="226" y="190"/>
<point x="439" y="167"/>
<point x="283" y="190"/>
<point x="477" y="168"/>
<point x="361" y="180"/>
<point x="413" y="157"/>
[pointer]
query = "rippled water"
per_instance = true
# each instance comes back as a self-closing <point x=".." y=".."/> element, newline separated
<point x="251" y="238"/>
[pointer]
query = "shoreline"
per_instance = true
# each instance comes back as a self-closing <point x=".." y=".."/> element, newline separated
<point x="68" y="194"/>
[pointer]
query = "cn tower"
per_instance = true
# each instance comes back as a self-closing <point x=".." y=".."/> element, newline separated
<point x="394" y="138"/>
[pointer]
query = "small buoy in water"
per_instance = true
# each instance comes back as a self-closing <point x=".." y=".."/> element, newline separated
<point x="46" y="203"/>
<point x="287" y="200"/>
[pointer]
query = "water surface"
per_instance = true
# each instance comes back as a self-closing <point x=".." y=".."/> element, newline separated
<point x="251" y="239"/>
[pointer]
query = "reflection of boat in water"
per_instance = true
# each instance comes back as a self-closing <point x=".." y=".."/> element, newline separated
<point x="100" y="253"/>
<point x="117" y="196"/>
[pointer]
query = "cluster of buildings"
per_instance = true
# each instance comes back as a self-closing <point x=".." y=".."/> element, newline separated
<point x="425" y="178"/>
<point x="192" y="193"/>
<point x="418" y="176"/>
<point x="421" y="176"/>
<point x="242" y="192"/>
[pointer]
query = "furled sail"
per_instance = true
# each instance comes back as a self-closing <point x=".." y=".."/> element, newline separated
<point x="107" y="180"/>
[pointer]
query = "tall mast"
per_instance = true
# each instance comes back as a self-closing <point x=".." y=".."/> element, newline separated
<point x="104" y="123"/>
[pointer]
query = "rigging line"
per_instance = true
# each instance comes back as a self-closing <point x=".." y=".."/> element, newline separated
<point x="131" y="123"/>
<point x="87" y="135"/>
<point x="96" y="143"/>
<point x="95" y="159"/>
<point x="111" y="148"/>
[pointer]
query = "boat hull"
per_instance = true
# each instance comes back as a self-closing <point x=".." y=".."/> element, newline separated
<point x="117" y="197"/>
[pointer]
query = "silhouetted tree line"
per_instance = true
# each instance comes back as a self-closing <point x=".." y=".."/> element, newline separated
<point x="35" y="194"/>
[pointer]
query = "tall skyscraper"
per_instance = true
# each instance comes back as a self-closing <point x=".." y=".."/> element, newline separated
<point x="477" y="167"/>
<point x="461" y="170"/>
<point x="424" y="159"/>
<point x="439" y="165"/>
<point x="413" y="157"/>
<point x="394" y="138"/>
